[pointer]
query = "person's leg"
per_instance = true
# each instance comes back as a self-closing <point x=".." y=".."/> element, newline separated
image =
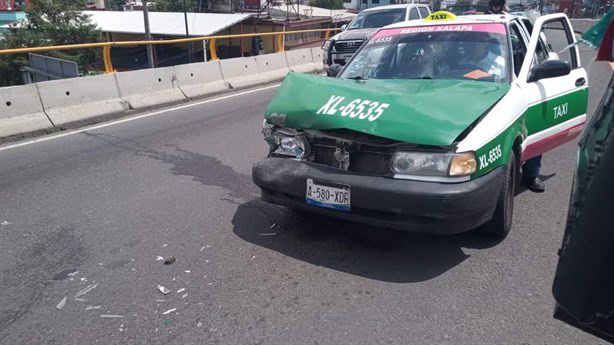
<point x="530" y="170"/>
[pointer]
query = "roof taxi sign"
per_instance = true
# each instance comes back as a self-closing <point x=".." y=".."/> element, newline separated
<point x="440" y="15"/>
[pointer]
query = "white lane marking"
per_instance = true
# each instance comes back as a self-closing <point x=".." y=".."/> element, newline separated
<point x="138" y="117"/>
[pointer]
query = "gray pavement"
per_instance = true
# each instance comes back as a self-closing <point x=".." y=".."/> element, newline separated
<point x="97" y="208"/>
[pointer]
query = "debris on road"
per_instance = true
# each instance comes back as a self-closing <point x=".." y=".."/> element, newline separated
<point x="91" y="307"/>
<point x="164" y="245"/>
<point x="72" y="274"/>
<point x="170" y="260"/>
<point x="199" y="324"/>
<point x="181" y="290"/>
<point x="169" y="311"/>
<point x="187" y="271"/>
<point x="84" y="291"/>
<point x="4" y="222"/>
<point x="62" y="303"/>
<point x="111" y="316"/>
<point x="163" y="289"/>
<point x="272" y="226"/>
<point x="83" y="279"/>
<point x="269" y="234"/>
<point x="203" y="248"/>
<point x="159" y="258"/>
<point x="121" y="327"/>
<point x="184" y="295"/>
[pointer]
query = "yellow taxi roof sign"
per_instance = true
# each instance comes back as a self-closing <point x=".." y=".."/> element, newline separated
<point x="440" y="15"/>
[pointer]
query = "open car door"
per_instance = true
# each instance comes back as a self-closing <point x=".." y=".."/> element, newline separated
<point x="554" y="85"/>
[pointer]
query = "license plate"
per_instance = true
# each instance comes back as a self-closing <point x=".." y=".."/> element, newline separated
<point x="328" y="195"/>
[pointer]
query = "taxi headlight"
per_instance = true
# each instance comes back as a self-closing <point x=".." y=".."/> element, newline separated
<point x="296" y="147"/>
<point x="433" y="164"/>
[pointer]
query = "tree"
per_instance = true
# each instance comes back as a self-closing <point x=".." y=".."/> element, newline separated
<point x="329" y="4"/>
<point x="174" y="6"/>
<point x="47" y="23"/>
<point x="114" y="5"/>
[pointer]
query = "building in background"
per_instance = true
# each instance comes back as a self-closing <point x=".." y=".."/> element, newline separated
<point x="364" y="4"/>
<point x="13" y="10"/>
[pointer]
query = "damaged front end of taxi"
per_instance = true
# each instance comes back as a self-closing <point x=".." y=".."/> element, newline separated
<point x="361" y="153"/>
<point x="400" y="170"/>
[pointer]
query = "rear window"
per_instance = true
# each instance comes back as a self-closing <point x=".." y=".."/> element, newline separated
<point x="464" y="52"/>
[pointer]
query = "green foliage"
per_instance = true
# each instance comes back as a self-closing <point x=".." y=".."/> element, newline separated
<point x="114" y="5"/>
<point x="329" y="4"/>
<point x="49" y="22"/>
<point x="175" y="6"/>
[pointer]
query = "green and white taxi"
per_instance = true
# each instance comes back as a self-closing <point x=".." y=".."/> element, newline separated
<point x="426" y="127"/>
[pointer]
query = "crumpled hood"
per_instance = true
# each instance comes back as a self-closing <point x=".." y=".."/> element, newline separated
<point x="356" y="34"/>
<point x="427" y="112"/>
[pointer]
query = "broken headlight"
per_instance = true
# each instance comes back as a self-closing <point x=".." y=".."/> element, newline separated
<point x="285" y="142"/>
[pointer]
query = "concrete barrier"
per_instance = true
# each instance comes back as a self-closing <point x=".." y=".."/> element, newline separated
<point x="318" y="59"/>
<point x="200" y="79"/>
<point x="147" y="88"/>
<point x="21" y="111"/>
<point x="272" y="67"/>
<point x="241" y="72"/>
<point x="300" y="60"/>
<point x="80" y="99"/>
<point x="56" y="104"/>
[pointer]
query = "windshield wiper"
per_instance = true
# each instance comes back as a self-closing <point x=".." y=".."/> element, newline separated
<point x="358" y="77"/>
<point x="423" y="77"/>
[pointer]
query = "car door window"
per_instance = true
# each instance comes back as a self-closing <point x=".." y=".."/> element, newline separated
<point x="529" y="25"/>
<point x="413" y="14"/>
<point x="519" y="47"/>
<point x="558" y="39"/>
<point x="424" y="12"/>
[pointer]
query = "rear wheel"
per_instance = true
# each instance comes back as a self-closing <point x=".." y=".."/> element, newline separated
<point x="501" y="222"/>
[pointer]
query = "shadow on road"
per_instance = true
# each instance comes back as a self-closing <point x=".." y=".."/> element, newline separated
<point x="357" y="249"/>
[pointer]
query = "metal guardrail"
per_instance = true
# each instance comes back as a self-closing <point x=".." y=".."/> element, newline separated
<point x="106" y="46"/>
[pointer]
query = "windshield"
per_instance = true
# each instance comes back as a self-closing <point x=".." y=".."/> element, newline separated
<point x="464" y="52"/>
<point x="377" y="19"/>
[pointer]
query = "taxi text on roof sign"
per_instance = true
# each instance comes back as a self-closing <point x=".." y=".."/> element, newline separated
<point x="440" y="15"/>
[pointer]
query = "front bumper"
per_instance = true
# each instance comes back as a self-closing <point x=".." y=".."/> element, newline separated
<point x="430" y="207"/>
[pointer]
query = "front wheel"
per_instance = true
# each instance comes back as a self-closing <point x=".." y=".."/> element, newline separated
<point x="501" y="222"/>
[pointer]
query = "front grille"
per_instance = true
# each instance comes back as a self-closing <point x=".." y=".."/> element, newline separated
<point x="347" y="47"/>
<point x="364" y="159"/>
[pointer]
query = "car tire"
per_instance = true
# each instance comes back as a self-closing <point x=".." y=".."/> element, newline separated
<point x="501" y="223"/>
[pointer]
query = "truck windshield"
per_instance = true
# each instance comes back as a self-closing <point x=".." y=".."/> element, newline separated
<point x="464" y="52"/>
<point x="377" y="19"/>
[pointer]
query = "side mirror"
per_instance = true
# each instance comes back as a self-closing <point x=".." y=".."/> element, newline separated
<point x="334" y="69"/>
<point x="549" y="69"/>
<point x="344" y="26"/>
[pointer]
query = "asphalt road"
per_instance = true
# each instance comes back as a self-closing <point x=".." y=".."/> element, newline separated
<point x="95" y="209"/>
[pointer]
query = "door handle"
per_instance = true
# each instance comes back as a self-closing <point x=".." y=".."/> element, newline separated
<point x="580" y="82"/>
